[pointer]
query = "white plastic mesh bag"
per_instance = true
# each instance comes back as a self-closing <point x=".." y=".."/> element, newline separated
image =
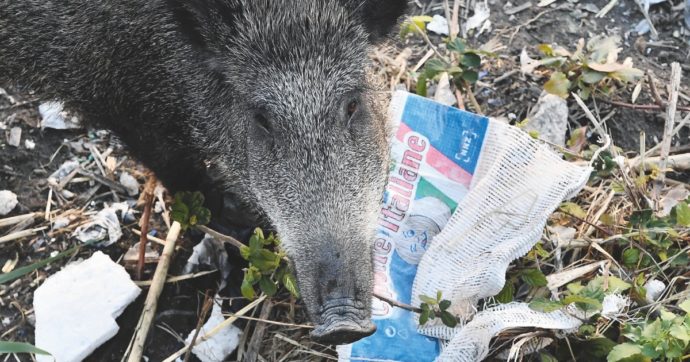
<point x="518" y="184"/>
<point x="472" y="341"/>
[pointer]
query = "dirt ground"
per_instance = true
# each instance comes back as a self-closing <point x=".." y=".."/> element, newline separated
<point x="501" y="91"/>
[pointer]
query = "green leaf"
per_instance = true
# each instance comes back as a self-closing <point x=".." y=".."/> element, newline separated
<point x="599" y="348"/>
<point x="506" y="294"/>
<point x="617" y="285"/>
<point x="268" y="286"/>
<point x="584" y="303"/>
<point x="574" y="209"/>
<point x="20" y="272"/>
<point x="685" y="306"/>
<point x="592" y="77"/>
<point x="421" y="84"/>
<point x="434" y="67"/>
<point x="558" y="85"/>
<point x="680" y="332"/>
<point x="444" y="304"/>
<point x="19" y="347"/>
<point x="428" y="300"/>
<point x="623" y="351"/>
<point x="180" y="213"/>
<point x="575" y="287"/>
<point x="290" y="284"/>
<point x="631" y="257"/>
<point x="448" y="319"/>
<point x="424" y="316"/>
<point x="203" y="216"/>
<point x="533" y="277"/>
<point x="247" y="290"/>
<point x="470" y="76"/>
<point x="471" y="60"/>
<point x="245" y="251"/>
<point x="628" y="75"/>
<point x="683" y="214"/>
<point x="439" y="295"/>
<point x="546" y="49"/>
<point x="456" y="45"/>
<point x="266" y="260"/>
<point x="545" y="305"/>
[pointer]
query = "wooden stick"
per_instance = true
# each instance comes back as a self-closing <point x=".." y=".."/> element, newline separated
<point x="159" y="277"/>
<point x="217" y="329"/>
<point x="19" y="218"/>
<point x="179" y="278"/>
<point x="143" y="237"/>
<point x="21" y="234"/>
<point x="208" y="303"/>
<point x="670" y="121"/>
<point x="222" y="237"/>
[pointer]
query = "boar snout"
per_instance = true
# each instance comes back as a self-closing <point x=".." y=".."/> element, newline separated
<point x="343" y="321"/>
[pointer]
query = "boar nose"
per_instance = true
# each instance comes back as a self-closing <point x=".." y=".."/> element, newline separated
<point x="343" y="321"/>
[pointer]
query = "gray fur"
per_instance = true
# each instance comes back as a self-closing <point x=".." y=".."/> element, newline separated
<point x="188" y="84"/>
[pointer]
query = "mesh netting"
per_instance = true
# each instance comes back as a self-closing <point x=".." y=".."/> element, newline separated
<point x="518" y="184"/>
<point x="471" y="343"/>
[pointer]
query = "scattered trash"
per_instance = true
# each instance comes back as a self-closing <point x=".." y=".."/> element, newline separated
<point x="549" y="118"/>
<point x="29" y="144"/>
<point x="443" y="93"/>
<point x="76" y="308"/>
<point x="479" y="19"/>
<point x="438" y="25"/>
<point x="63" y="171"/>
<point x="103" y="226"/>
<point x="671" y="199"/>
<point x="56" y="118"/>
<point x="130" y="183"/>
<point x="132" y="255"/>
<point x="8" y="201"/>
<point x="209" y="254"/>
<point x="219" y="346"/>
<point x="654" y="289"/>
<point x="14" y="137"/>
<point x="613" y="305"/>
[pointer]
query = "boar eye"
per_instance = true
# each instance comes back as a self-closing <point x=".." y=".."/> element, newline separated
<point x="262" y="123"/>
<point x="352" y="108"/>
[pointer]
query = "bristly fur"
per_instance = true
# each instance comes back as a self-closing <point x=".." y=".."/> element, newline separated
<point x="255" y="91"/>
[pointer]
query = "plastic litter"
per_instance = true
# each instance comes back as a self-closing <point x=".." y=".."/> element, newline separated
<point x="438" y="25"/>
<point x="500" y="185"/>
<point x="130" y="183"/>
<point x="219" y="346"/>
<point x="209" y="254"/>
<point x="654" y="289"/>
<point x="549" y="118"/>
<point x="53" y="116"/>
<point x="103" y="226"/>
<point x="76" y="308"/>
<point x="8" y="201"/>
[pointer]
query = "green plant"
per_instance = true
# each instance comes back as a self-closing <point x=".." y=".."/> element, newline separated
<point x="436" y="307"/>
<point x="666" y="338"/>
<point x="463" y="72"/>
<point x="414" y="24"/>
<point x="267" y="268"/>
<point x="19" y="347"/>
<point x="591" y="68"/>
<point x="188" y="209"/>
<point x="587" y="298"/>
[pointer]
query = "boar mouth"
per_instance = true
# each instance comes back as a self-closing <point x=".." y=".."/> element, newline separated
<point x="343" y="321"/>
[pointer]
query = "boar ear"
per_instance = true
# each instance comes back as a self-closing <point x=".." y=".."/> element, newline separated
<point x="381" y="16"/>
<point x="204" y="22"/>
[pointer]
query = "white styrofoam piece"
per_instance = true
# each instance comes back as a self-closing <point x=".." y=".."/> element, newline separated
<point x="219" y="346"/>
<point x="8" y="201"/>
<point x="76" y="308"/>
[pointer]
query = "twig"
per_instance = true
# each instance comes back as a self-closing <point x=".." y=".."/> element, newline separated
<point x="208" y="303"/>
<point x="179" y="278"/>
<point x="139" y="338"/>
<point x="222" y="237"/>
<point x="18" y="219"/>
<point x="670" y="122"/>
<point x="21" y="234"/>
<point x="116" y="186"/>
<point x="395" y="303"/>
<point x="217" y="329"/>
<point x="152" y="238"/>
<point x="655" y="34"/>
<point x="645" y="107"/>
<point x="144" y="224"/>
<point x="473" y="100"/>
<point x="655" y="92"/>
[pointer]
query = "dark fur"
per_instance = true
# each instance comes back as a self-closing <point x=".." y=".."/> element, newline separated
<point x="255" y="91"/>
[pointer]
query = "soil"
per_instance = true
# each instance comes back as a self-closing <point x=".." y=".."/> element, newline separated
<point x="24" y="171"/>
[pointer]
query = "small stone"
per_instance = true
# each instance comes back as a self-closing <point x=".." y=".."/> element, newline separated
<point x="8" y="201"/>
<point x="550" y="119"/>
<point x="15" y="136"/>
